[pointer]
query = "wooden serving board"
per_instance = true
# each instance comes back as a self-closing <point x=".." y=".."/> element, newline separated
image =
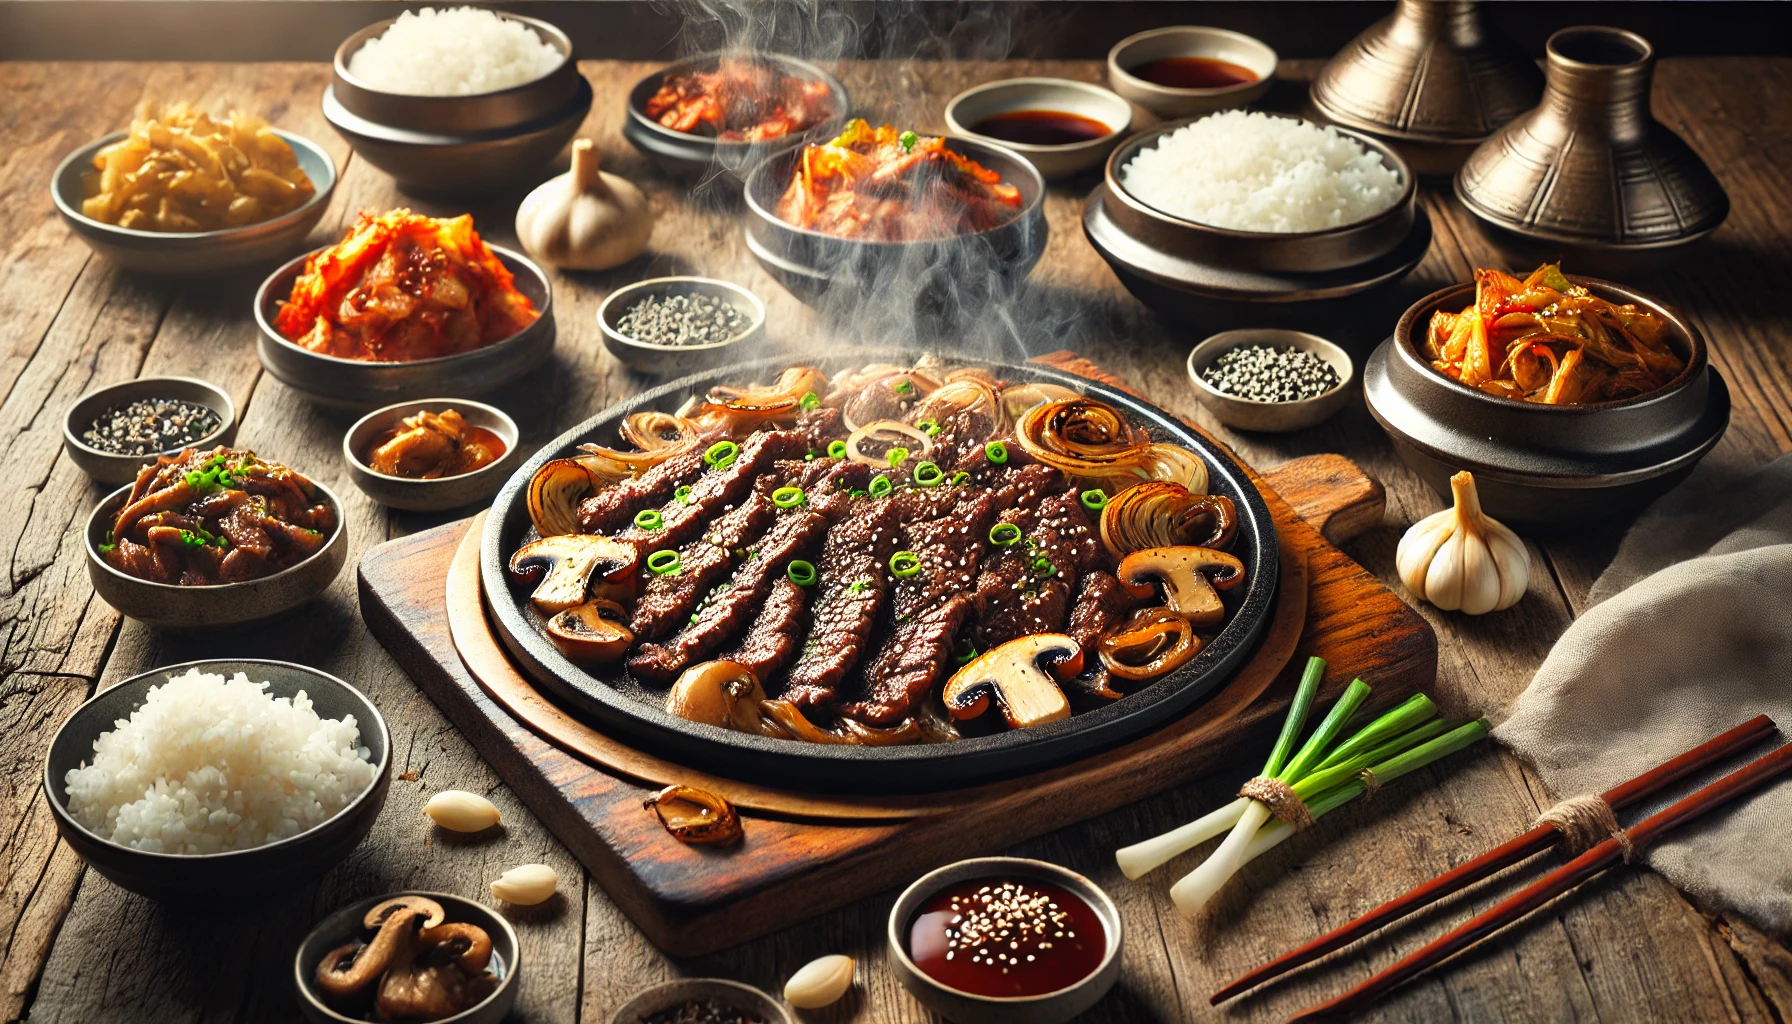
<point x="802" y="857"/>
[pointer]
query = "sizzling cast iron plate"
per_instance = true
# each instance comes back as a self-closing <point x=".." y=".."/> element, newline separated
<point x="634" y="712"/>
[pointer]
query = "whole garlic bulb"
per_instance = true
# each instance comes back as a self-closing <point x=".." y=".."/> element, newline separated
<point x="585" y="219"/>
<point x="1459" y="559"/>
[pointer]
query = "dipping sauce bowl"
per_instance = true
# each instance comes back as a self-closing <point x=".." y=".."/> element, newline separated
<point x="969" y="114"/>
<point x="1134" y="52"/>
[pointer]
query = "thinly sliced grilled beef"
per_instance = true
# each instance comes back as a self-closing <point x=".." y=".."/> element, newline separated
<point x="1014" y="597"/>
<point x="1067" y="537"/>
<point x="612" y="508"/>
<point x="777" y="631"/>
<point x="715" y="491"/>
<point x="815" y="476"/>
<point x="1101" y="604"/>
<point x="959" y="436"/>
<point x="666" y="601"/>
<point x="910" y="663"/>
<point x="974" y="459"/>
<point x="726" y="610"/>
<point x="950" y="547"/>
<point x="852" y="589"/>
<point x="821" y="426"/>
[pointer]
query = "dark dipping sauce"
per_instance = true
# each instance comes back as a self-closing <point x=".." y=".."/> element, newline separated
<point x="1005" y="938"/>
<point x="1193" y="73"/>
<point x="1042" y="127"/>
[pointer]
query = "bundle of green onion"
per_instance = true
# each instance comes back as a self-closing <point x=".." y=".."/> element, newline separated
<point x="1324" y="774"/>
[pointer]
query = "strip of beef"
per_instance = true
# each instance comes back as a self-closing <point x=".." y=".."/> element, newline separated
<point x="727" y="610"/>
<point x="960" y="436"/>
<point x="666" y="601"/>
<point x="1101" y="604"/>
<point x="949" y="544"/>
<point x="821" y="426"/>
<point x="777" y="631"/>
<point x="974" y="459"/>
<point x="815" y="476"/>
<point x="852" y="590"/>
<point x="910" y="663"/>
<point x="1067" y="537"/>
<point x="612" y="508"/>
<point x="1014" y="598"/>
<point x="714" y="492"/>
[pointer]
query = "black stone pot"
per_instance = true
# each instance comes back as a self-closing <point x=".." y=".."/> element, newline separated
<point x="1545" y="464"/>
<point x="634" y="711"/>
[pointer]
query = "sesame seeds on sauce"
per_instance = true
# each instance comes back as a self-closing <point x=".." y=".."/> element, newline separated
<point x="1007" y="937"/>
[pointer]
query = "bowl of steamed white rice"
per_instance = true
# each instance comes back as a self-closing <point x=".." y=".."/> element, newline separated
<point x="1260" y="192"/>
<point x="224" y="781"/>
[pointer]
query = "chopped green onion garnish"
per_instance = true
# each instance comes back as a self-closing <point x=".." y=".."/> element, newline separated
<point x="996" y="452"/>
<point x="960" y="477"/>
<point x="1004" y="534"/>
<point x="810" y="400"/>
<point x="896" y="455"/>
<point x="903" y="387"/>
<point x="1094" y="500"/>
<point x="904" y="564"/>
<point x="928" y="474"/>
<point x="649" y="519"/>
<point x="858" y="586"/>
<point x="106" y="549"/>
<point x="683" y="494"/>
<point x="929" y="427"/>
<point x="801" y="573"/>
<point x="663" y="562"/>
<point x="881" y="486"/>
<point x="787" y="497"/>
<point x="836" y="449"/>
<point x="721" y="454"/>
<point x="1043" y="566"/>
<point x="809" y="457"/>
<point x="908" y="140"/>
<point x="965" y="656"/>
<point x="856" y="493"/>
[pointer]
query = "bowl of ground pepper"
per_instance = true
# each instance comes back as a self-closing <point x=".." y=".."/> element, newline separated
<point x="670" y="326"/>
<point x="702" y="1001"/>
<point x="1269" y="379"/>
<point x="112" y="432"/>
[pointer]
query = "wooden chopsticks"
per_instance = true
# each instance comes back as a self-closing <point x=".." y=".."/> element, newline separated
<point x="1534" y="841"/>
<point x="1569" y="875"/>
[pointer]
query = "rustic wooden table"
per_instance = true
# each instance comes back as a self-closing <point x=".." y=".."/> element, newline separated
<point x="73" y="947"/>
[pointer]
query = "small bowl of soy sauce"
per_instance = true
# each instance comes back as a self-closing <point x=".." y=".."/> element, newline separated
<point x="113" y="432"/>
<point x="1186" y="70"/>
<point x="1059" y="125"/>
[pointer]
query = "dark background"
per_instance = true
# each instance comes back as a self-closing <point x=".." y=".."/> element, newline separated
<point x="236" y="30"/>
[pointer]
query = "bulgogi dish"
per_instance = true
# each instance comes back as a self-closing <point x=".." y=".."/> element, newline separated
<point x="401" y="287"/>
<point x="741" y="101"/>
<point x="203" y="518"/>
<point x="876" y="558"/>
<point x="888" y="186"/>
<point x="1546" y="339"/>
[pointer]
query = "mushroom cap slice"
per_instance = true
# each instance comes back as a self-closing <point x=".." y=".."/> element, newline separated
<point x="1189" y="576"/>
<point x="1012" y="673"/>
<point x="431" y="910"/>
<point x="570" y="562"/>
<point x="724" y="694"/>
<point x="466" y="945"/>
<point x="590" y="633"/>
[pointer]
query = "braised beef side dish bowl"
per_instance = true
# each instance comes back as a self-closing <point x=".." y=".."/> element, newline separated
<point x="854" y="582"/>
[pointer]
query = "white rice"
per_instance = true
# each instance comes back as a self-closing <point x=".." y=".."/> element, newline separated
<point x="1253" y="172"/>
<point x="208" y="765"/>
<point x="458" y="51"/>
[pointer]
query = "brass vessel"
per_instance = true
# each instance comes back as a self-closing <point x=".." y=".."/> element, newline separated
<point x="1431" y="79"/>
<point x="1590" y="176"/>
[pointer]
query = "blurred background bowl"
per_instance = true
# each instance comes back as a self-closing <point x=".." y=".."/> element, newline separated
<point x="1270" y="417"/>
<point x="968" y="109"/>
<point x="110" y="468"/>
<point x="417" y="495"/>
<point x="1190" y="41"/>
<point x="666" y="995"/>
<point x="677" y="360"/>
<point x="194" y="252"/>
<point x="688" y="153"/>
<point x="1546" y="464"/>
<point x="357" y="385"/>
<point x="218" y="882"/>
<point x="191" y="609"/>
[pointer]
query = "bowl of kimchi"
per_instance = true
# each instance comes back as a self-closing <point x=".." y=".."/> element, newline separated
<point x="727" y="113"/>
<point x="404" y="307"/>
<point x="897" y="217"/>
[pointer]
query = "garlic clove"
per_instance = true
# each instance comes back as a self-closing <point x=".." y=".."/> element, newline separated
<point x="459" y="811"/>
<point x="1412" y="558"/>
<point x="527" y="885"/>
<point x="819" y="983"/>
<point x="1480" y="575"/>
<point x="1443" y="577"/>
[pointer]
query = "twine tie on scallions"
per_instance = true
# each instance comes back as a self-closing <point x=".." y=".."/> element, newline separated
<point x="1280" y="798"/>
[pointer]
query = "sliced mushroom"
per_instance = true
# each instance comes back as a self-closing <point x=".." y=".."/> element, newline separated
<point x="348" y="969"/>
<point x="1189" y="577"/>
<point x="719" y="693"/>
<point x="590" y="633"/>
<point x="417" y="988"/>
<point x="569" y="563"/>
<point x="554" y="495"/>
<point x="1012" y="673"/>
<point x="467" y="946"/>
<point x="696" y="816"/>
<point x="430" y="909"/>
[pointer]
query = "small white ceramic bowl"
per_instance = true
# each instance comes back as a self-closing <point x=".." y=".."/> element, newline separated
<point x="965" y="111"/>
<point x="1190" y="41"/>
<point x="677" y="360"/>
<point x="1270" y="417"/>
<point x="442" y="492"/>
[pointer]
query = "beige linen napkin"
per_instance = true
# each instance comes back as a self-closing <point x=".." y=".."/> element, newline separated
<point x="1692" y="635"/>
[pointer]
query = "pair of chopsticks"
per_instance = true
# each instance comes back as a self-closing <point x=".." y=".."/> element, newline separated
<point x="1537" y="839"/>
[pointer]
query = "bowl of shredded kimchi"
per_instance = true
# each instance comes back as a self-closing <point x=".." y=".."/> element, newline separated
<point x="723" y="113"/>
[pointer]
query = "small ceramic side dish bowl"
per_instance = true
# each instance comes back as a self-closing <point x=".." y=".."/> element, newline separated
<point x="973" y="108"/>
<point x="348" y="925"/>
<point x="438" y="493"/>
<point x="677" y="360"/>
<point x="963" y="1007"/>
<point x="688" y="153"/>
<point x="682" y="990"/>
<point x="1135" y="51"/>
<point x="1270" y="417"/>
<point x="194" y="252"/>
<point x="249" y="877"/>
<point x="111" y="468"/>
<point x="195" y="609"/>
<point x="357" y="386"/>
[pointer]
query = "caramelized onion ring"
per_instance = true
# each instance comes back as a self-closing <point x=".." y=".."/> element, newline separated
<point x="647" y="430"/>
<point x="1158" y="514"/>
<point x="1159" y="636"/>
<point x="966" y="394"/>
<point x="923" y="443"/>
<point x="1089" y="440"/>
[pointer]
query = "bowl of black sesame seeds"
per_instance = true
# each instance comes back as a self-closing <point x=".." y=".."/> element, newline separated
<point x="113" y="432"/>
<point x="1269" y="379"/>
<point x="701" y="1001"/>
<point x="669" y="326"/>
